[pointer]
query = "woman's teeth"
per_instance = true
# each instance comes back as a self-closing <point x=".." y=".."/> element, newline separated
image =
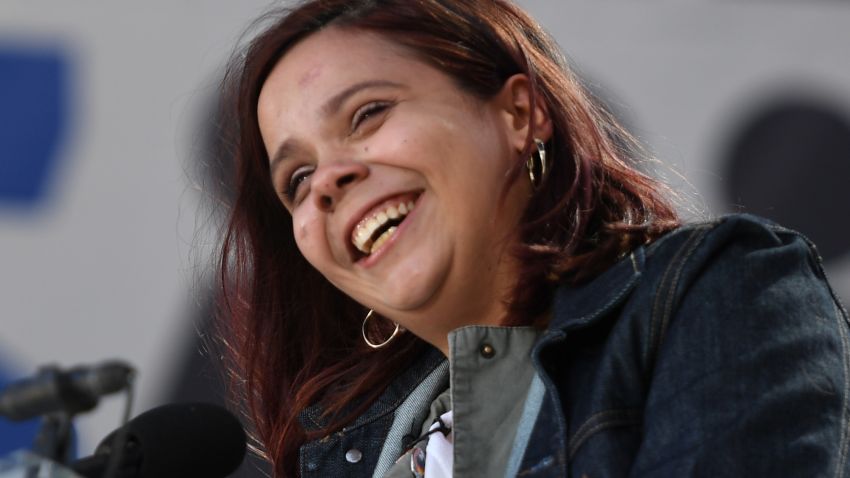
<point x="383" y="238"/>
<point x="371" y="233"/>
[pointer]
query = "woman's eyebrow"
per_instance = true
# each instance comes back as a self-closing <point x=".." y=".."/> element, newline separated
<point x="333" y="105"/>
<point x="329" y="108"/>
<point x="285" y="150"/>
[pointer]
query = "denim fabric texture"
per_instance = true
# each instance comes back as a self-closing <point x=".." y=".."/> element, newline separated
<point x="415" y="410"/>
<point x="718" y="351"/>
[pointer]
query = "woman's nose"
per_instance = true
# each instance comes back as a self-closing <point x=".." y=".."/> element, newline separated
<point x="331" y="181"/>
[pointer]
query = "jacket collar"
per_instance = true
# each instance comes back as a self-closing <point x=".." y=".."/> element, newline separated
<point x="573" y="308"/>
<point x="579" y="306"/>
<point x="312" y="417"/>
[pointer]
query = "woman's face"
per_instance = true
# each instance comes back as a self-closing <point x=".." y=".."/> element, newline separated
<point x="394" y="178"/>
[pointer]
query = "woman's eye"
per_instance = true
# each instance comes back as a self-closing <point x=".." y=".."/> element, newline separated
<point x="366" y="112"/>
<point x="295" y="181"/>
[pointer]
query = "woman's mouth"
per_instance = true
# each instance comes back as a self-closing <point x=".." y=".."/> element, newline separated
<point x="381" y="223"/>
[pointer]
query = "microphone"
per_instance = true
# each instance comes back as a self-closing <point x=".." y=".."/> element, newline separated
<point x="72" y="391"/>
<point x="171" y="441"/>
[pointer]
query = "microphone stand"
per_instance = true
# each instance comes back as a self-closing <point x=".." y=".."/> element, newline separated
<point x="54" y="438"/>
<point x="58" y="397"/>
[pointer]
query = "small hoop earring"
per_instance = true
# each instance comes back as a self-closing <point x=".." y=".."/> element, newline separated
<point x="532" y="166"/>
<point x="385" y="342"/>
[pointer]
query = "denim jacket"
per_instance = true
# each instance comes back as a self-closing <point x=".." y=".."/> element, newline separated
<point x="718" y="350"/>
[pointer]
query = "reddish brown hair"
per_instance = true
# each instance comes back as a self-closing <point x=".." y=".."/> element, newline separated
<point x="294" y="340"/>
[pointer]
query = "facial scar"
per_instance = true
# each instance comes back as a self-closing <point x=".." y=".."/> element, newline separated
<point x="310" y="76"/>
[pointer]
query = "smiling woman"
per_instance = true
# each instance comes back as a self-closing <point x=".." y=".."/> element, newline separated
<point x="442" y="260"/>
<point x="367" y="132"/>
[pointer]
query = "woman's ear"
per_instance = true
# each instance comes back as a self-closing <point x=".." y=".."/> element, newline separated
<point x="514" y="101"/>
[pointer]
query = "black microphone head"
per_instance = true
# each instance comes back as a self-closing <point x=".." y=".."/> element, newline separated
<point x="104" y="378"/>
<point x="183" y="440"/>
<point x="72" y="391"/>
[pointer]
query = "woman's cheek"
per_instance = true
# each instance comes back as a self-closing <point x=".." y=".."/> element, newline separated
<point x="300" y="229"/>
<point x="308" y="238"/>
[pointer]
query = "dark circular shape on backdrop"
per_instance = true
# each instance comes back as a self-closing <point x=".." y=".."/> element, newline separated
<point x="790" y="161"/>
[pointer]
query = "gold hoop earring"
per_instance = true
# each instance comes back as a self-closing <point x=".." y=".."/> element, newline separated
<point x="531" y="165"/>
<point x="385" y="342"/>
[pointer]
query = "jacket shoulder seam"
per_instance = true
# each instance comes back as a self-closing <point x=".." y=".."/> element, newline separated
<point x="664" y="301"/>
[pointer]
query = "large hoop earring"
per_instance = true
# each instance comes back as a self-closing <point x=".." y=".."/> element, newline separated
<point x="537" y="172"/>
<point x="385" y="342"/>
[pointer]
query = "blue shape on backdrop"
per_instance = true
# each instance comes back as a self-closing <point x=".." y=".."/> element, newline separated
<point x="34" y="98"/>
<point x="14" y="435"/>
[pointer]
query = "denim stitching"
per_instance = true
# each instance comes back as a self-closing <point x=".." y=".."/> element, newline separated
<point x="668" y="309"/>
<point x="391" y="407"/>
<point x="652" y="343"/>
<point x="313" y="420"/>
<point x="661" y="286"/>
<point x="842" y="311"/>
<point x="840" y="316"/>
<point x="842" y="454"/>
<point x="366" y="418"/>
<point x="616" y="299"/>
<point x="626" y="416"/>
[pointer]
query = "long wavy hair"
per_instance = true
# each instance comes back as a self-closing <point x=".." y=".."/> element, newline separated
<point x="292" y="339"/>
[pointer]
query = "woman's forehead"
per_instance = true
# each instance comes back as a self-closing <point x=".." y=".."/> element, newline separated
<point x="317" y="76"/>
<point x="341" y="53"/>
<point x="327" y="63"/>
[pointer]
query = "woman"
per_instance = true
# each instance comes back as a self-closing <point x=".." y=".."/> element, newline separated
<point x="442" y="257"/>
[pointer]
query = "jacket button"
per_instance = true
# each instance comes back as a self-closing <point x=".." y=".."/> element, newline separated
<point x="487" y="351"/>
<point x="353" y="455"/>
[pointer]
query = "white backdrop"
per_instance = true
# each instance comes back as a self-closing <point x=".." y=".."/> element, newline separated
<point x="104" y="266"/>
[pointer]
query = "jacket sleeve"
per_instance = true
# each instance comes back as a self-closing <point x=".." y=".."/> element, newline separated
<point x="751" y="377"/>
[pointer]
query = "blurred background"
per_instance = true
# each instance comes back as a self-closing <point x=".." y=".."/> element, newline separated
<point x="106" y="114"/>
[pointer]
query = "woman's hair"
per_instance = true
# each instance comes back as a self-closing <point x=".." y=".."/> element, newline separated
<point x="293" y="339"/>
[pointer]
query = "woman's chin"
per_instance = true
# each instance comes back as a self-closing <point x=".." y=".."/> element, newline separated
<point x="409" y="290"/>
